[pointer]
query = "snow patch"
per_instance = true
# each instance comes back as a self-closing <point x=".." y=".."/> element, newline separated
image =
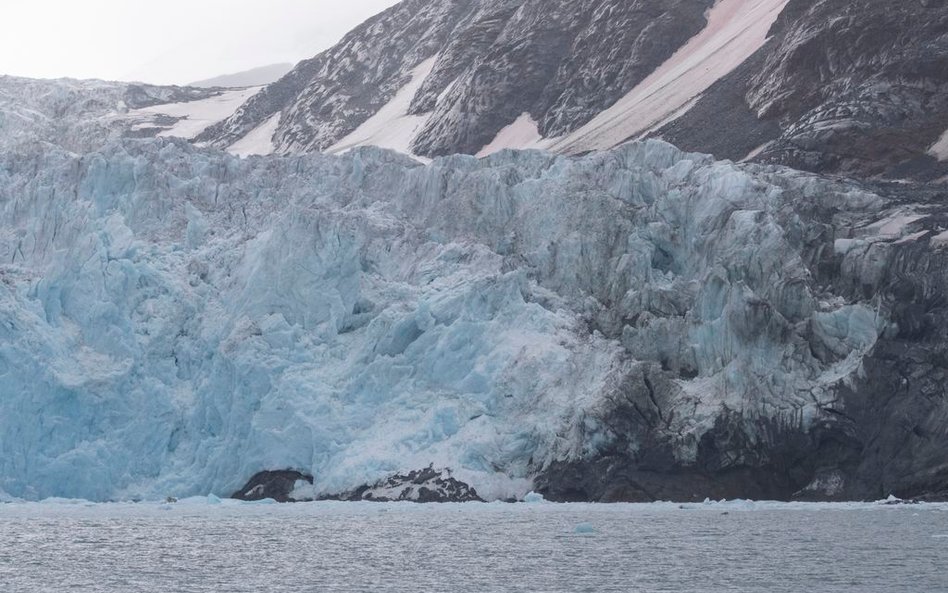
<point x="939" y="149"/>
<point x="258" y="141"/>
<point x="912" y="238"/>
<point x="891" y="227"/>
<point x="736" y="29"/>
<point x="524" y="133"/>
<point x="391" y="127"/>
<point x="940" y="240"/>
<point x="196" y="116"/>
<point x="756" y="152"/>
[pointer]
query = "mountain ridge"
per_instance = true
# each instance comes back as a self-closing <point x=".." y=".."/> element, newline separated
<point x="259" y="76"/>
<point x="566" y="62"/>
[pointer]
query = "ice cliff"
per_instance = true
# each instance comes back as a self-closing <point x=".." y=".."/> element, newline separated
<point x="174" y="320"/>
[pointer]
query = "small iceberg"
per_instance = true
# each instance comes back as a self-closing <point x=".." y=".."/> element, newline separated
<point x="584" y="529"/>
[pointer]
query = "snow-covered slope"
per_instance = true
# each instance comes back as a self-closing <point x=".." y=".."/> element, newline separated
<point x="391" y="127"/>
<point x="190" y="118"/>
<point x="736" y="29"/>
<point x="493" y="61"/>
<point x="174" y="320"/>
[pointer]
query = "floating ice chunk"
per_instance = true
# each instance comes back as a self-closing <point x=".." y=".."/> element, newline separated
<point x="533" y="498"/>
<point x="264" y="501"/>
<point x="213" y="499"/>
<point x="584" y="529"/>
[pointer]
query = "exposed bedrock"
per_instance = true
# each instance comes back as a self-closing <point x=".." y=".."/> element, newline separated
<point x="276" y="485"/>
<point x="427" y="485"/>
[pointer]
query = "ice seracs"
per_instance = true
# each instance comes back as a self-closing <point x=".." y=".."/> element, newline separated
<point x="176" y="320"/>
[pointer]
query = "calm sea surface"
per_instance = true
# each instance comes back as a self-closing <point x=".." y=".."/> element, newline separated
<point x="194" y="546"/>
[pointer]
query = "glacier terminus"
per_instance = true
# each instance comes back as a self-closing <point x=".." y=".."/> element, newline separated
<point x="635" y="324"/>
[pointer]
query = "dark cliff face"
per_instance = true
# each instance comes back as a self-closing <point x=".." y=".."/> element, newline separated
<point x="898" y="411"/>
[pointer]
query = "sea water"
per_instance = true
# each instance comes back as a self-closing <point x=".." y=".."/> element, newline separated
<point x="208" y="545"/>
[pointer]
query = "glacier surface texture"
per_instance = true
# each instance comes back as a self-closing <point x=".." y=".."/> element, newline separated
<point x="174" y="320"/>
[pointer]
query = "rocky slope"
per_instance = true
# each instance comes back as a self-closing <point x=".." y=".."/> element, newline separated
<point x="634" y="324"/>
<point x="827" y="86"/>
<point x="859" y="89"/>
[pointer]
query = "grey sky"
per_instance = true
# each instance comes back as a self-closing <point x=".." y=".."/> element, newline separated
<point x="168" y="41"/>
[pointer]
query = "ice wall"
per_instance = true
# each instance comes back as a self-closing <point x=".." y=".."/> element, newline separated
<point x="173" y="320"/>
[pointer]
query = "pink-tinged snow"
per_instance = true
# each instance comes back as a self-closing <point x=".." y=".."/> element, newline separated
<point x="736" y="29"/>
<point x="912" y="238"/>
<point x="756" y="152"/>
<point x="391" y="127"/>
<point x="197" y="115"/>
<point x="523" y="133"/>
<point x="258" y="141"/>
<point x="939" y="150"/>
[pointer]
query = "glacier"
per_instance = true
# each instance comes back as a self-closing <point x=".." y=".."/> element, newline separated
<point x="174" y="319"/>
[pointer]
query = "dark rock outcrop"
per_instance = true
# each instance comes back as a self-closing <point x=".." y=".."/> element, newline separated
<point x="423" y="486"/>
<point x="276" y="485"/>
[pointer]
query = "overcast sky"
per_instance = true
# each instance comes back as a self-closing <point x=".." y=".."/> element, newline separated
<point x="168" y="41"/>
